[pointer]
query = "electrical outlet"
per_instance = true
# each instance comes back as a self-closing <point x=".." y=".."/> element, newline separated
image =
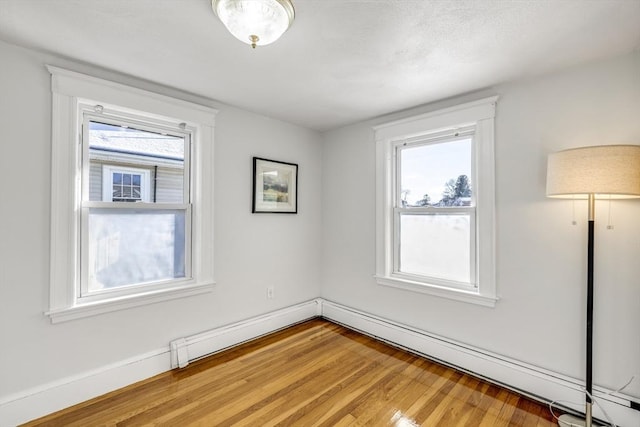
<point x="270" y="292"/>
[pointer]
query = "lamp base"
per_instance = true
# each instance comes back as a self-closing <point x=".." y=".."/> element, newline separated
<point x="567" y="420"/>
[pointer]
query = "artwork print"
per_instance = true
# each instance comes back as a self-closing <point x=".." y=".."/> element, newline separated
<point x="275" y="186"/>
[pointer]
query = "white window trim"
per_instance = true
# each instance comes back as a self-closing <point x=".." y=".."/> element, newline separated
<point x="71" y="90"/>
<point x="479" y="114"/>
<point x="107" y="181"/>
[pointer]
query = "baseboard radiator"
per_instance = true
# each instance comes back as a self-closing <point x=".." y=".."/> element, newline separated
<point x="186" y="350"/>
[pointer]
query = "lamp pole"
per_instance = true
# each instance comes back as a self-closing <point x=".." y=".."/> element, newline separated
<point x="589" y="376"/>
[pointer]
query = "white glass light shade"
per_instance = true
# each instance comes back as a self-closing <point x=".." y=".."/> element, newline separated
<point x="255" y="22"/>
<point x="607" y="171"/>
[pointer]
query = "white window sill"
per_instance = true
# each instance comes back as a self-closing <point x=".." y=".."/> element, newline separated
<point x="449" y="293"/>
<point x="79" y="311"/>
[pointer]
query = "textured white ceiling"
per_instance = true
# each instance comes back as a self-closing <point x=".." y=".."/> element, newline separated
<point x="342" y="60"/>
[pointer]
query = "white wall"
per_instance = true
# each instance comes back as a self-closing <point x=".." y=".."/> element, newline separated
<point x="541" y="257"/>
<point x="252" y="251"/>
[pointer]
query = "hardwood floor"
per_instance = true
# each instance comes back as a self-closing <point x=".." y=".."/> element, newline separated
<point x="313" y="374"/>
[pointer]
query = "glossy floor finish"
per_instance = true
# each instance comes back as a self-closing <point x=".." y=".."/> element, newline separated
<point x="313" y="374"/>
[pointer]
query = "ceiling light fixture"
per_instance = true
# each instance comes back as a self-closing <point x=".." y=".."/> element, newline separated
<point x="255" y="22"/>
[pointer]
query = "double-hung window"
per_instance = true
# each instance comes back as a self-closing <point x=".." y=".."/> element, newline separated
<point x="129" y="240"/>
<point x="435" y="204"/>
<point x="131" y="197"/>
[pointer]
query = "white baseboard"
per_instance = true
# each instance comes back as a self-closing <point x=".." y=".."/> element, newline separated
<point x="51" y="397"/>
<point x="188" y="349"/>
<point x="47" y="398"/>
<point x="524" y="378"/>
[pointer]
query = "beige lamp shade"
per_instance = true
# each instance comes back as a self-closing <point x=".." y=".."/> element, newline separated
<point x="607" y="171"/>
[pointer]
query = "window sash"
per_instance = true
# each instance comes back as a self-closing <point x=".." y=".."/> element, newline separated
<point x="84" y="294"/>
<point x="454" y="135"/>
<point x="119" y="118"/>
<point x="396" y="270"/>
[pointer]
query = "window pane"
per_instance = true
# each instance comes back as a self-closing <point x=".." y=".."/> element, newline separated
<point x="436" y="246"/>
<point x="436" y="174"/>
<point x="161" y="157"/>
<point x="135" y="247"/>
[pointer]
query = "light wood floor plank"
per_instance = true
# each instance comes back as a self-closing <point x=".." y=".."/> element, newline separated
<point x="312" y="374"/>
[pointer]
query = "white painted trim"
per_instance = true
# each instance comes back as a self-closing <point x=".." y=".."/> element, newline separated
<point x="538" y="383"/>
<point x="462" y="114"/>
<point x="78" y="85"/>
<point x="54" y="396"/>
<point x="438" y="291"/>
<point x="188" y="349"/>
<point x="127" y="301"/>
<point x="478" y="115"/>
<point x="73" y="92"/>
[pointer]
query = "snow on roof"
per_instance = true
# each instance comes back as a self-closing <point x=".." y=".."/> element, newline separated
<point x="137" y="142"/>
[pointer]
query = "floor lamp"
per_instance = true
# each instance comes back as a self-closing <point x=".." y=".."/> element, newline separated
<point x="600" y="172"/>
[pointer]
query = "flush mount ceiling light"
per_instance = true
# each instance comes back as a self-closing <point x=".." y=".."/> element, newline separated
<point x="255" y="22"/>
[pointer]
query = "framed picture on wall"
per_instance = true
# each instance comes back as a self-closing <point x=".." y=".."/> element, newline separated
<point x="275" y="186"/>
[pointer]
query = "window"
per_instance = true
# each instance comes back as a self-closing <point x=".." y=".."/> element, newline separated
<point x="131" y="197"/>
<point x="123" y="184"/>
<point x="435" y="207"/>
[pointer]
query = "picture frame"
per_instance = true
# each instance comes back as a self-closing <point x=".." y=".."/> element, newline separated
<point x="275" y="186"/>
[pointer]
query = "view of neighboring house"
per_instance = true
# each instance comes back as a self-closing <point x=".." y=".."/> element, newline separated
<point x="131" y="165"/>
